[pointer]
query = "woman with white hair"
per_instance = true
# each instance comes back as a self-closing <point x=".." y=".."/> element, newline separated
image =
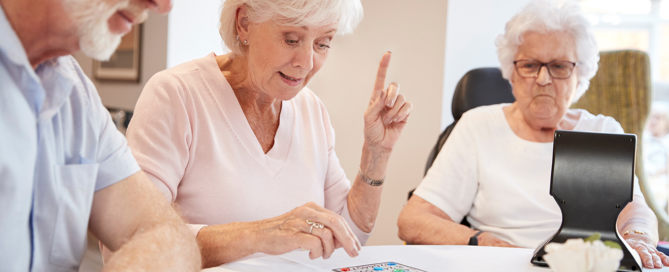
<point x="495" y="168"/>
<point x="246" y="150"/>
<point x="655" y="155"/>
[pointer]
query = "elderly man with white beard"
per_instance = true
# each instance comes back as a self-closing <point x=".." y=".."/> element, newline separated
<point x="64" y="168"/>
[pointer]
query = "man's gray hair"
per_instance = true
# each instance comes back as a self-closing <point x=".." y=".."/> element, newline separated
<point x="545" y="16"/>
<point x="345" y="13"/>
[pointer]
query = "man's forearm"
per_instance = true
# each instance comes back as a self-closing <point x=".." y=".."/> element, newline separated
<point x="163" y="247"/>
<point x="133" y="219"/>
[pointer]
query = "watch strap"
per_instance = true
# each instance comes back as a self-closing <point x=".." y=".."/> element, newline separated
<point x="474" y="240"/>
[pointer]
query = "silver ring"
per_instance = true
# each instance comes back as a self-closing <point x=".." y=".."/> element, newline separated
<point x="314" y="225"/>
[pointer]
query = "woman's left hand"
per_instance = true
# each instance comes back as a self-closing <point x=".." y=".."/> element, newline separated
<point x="387" y="113"/>
<point x="644" y="245"/>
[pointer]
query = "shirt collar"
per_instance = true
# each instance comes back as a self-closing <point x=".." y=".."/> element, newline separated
<point x="59" y="76"/>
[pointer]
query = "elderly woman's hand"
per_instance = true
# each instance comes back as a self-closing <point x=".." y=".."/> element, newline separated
<point x="291" y="231"/>
<point x="387" y="113"/>
<point x="488" y="239"/>
<point x="644" y="245"/>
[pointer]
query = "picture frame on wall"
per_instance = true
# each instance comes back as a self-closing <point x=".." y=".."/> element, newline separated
<point x="124" y="64"/>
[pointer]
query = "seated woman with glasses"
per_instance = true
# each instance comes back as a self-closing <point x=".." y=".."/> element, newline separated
<point x="495" y="168"/>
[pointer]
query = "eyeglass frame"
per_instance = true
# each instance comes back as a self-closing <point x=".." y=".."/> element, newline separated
<point x="548" y="69"/>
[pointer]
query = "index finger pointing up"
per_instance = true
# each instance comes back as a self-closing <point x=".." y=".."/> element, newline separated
<point x="381" y="75"/>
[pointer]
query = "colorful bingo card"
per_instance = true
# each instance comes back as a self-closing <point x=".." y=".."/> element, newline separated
<point x="387" y="266"/>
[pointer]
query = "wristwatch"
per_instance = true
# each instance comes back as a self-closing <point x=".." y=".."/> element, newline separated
<point x="474" y="240"/>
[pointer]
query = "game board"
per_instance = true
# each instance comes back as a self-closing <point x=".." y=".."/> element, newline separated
<point x="387" y="266"/>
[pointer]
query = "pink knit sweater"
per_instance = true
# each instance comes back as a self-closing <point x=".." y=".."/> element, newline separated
<point x="190" y="136"/>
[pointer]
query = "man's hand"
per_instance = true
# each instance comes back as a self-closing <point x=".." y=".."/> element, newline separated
<point x="135" y="221"/>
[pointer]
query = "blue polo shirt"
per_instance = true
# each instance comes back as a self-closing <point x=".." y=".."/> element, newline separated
<point x="58" y="146"/>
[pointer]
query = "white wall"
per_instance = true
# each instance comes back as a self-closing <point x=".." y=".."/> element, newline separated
<point x="415" y="32"/>
<point x="470" y="40"/>
<point x="193" y="31"/>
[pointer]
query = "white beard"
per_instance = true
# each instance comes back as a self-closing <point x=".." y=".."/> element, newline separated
<point x="91" y="18"/>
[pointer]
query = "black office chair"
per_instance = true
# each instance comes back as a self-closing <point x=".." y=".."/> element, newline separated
<point x="478" y="87"/>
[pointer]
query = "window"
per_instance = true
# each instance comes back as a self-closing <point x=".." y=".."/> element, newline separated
<point x="642" y="25"/>
<point x="635" y="24"/>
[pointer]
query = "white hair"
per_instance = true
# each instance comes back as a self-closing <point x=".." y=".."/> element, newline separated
<point x="550" y="16"/>
<point x="345" y="13"/>
<point x="91" y="19"/>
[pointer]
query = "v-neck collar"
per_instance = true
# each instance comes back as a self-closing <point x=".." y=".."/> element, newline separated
<point x="232" y="111"/>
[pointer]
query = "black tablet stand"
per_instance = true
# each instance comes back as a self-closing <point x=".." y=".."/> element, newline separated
<point x="592" y="181"/>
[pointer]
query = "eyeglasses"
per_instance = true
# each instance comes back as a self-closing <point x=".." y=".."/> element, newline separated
<point x="557" y="69"/>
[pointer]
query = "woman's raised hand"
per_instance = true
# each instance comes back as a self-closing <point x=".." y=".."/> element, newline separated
<point x="324" y="232"/>
<point x="388" y="111"/>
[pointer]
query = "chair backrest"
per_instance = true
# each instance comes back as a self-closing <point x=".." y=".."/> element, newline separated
<point x="622" y="89"/>
<point x="478" y="87"/>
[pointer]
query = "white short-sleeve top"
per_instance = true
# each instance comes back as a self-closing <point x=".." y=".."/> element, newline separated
<point x="498" y="180"/>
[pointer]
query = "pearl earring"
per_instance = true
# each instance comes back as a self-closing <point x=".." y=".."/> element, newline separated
<point x="245" y="42"/>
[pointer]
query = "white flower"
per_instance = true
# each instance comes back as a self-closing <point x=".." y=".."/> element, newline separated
<point x="578" y="256"/>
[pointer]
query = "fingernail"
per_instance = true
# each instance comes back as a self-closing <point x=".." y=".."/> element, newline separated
<point x="387" y="119"/>
<point x="390" y="52"/>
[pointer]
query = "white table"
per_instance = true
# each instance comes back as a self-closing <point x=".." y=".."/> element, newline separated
<point x="429" y="258"/>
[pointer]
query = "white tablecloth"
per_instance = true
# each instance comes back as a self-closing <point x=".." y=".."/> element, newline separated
<point x="429" y="258"/>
